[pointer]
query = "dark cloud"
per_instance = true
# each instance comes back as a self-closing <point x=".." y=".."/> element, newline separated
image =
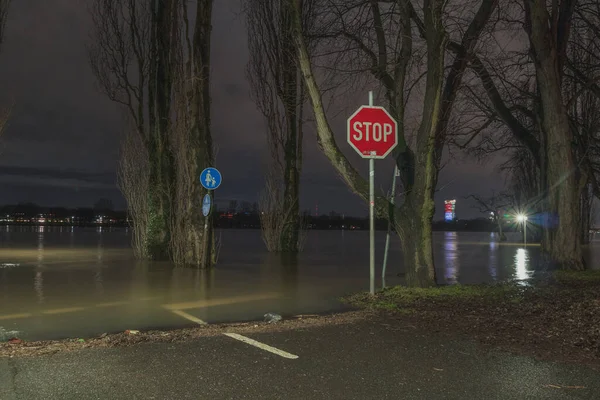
<point x="21" y="173"/>
<point x="62" y="143"/>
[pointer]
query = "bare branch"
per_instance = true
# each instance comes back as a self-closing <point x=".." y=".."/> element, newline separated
<point x="119" y="53"/>
<point x="4" y="6"/>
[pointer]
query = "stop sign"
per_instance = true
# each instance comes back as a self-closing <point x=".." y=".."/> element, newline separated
<point x="372" y="132"/>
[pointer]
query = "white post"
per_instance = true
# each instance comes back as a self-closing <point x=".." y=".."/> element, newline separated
<point x="387" y="238"/>
<point x="372" y="215"/>
<point x="525" y="232"/>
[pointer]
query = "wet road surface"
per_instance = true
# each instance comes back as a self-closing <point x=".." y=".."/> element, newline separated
<point x="362" y="360"/>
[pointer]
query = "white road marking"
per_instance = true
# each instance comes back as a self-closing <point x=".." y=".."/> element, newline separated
<point x="15" y="316"/>
<point x="188" y="317"/>
<point x="239" y="337"/>
<point x="63" y="310"/>
<point x="113" y="304"/>
<point x="261" y="346"/>
<point x="219" y="301"/>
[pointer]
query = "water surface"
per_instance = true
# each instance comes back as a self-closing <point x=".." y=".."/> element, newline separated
<point x="74" y="282"/>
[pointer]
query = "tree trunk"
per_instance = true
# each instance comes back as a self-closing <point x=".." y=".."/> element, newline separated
<point x="416" y="214"/>
<point x="196" y="244"/>
<point x="586" y="213"/>
<point x="562" y="175"/>
<point x="276" y="87"/>
<point x="417" y="250"/>
<point x="164" y="14"/>
<point x="498" y="219"/>
<point x="291" y="103"/>
<point x="157" y="235"/>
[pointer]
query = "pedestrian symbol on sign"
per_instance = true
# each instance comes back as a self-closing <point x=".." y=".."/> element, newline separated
<point x="210" y="181"/>
<point x="210" y="178"/>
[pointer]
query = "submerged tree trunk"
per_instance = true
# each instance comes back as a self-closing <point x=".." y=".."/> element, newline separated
<point x="193" y="240"/>
<point x="164" y="18"/>
<point x="278" y="92"/>
<point x="292" y="100"/>
<point x="200" y="228"/>
<point x="498" y="219"/>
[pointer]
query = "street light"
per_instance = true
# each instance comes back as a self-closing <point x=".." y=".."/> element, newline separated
<point x="523" y="218"/>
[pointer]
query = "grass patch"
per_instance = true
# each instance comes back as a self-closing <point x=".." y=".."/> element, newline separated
<point x="589" y="277"/>
<point x="404" y="297"/>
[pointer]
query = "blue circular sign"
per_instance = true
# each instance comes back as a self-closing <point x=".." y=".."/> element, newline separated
<point x="206" y="203"/>
<point x="210" y="178"/>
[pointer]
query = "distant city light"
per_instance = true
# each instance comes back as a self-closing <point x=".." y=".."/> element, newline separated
<point x="449" y="210"/>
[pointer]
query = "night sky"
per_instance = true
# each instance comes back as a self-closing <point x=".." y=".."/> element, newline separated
<point x="61" y="145"/>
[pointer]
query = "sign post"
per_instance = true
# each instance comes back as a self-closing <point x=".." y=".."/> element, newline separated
<point x="210" y="179"/>
<point x="387" y="237"/>
<point x="373" y="133"/>
<point x="371" y="215"/>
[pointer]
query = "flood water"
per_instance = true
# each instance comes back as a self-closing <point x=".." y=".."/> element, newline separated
<point x="60" y="282"/>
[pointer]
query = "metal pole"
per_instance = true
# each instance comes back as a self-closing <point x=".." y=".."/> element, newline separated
<point x="525" y="232"/>
<point x="372" y="216"/>
<point x="206" y="244"/>
<point x="387" y="238"/>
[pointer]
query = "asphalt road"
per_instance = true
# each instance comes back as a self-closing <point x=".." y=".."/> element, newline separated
<point x="358" y="361"/>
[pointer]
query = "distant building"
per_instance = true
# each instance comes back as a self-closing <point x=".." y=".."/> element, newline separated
<point x="449" y="210"/>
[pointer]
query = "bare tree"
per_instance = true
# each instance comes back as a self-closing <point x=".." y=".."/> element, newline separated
<point x="387" y="45"/>
<point x="583" y="102"/>
<point x="278" y="92"/>
<point x="133" y="181"/>
<point x="146" y="58"/>
<point x="548" y="32"/>
<point x="494" y="205"/>
<point x="192" y="241"/>
<point x="124" y="56"/>
<point x="539" y="109"/>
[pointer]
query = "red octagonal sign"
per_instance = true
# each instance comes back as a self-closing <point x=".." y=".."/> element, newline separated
<point x="372" y="132"/>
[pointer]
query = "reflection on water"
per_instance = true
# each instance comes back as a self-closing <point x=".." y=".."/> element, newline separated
<point x="451" y="257"/>
<point x="38" y="282"/>
<point x="521" y="261"/>
<point x="492" y="263"/>
<point x="93" y="270"/>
